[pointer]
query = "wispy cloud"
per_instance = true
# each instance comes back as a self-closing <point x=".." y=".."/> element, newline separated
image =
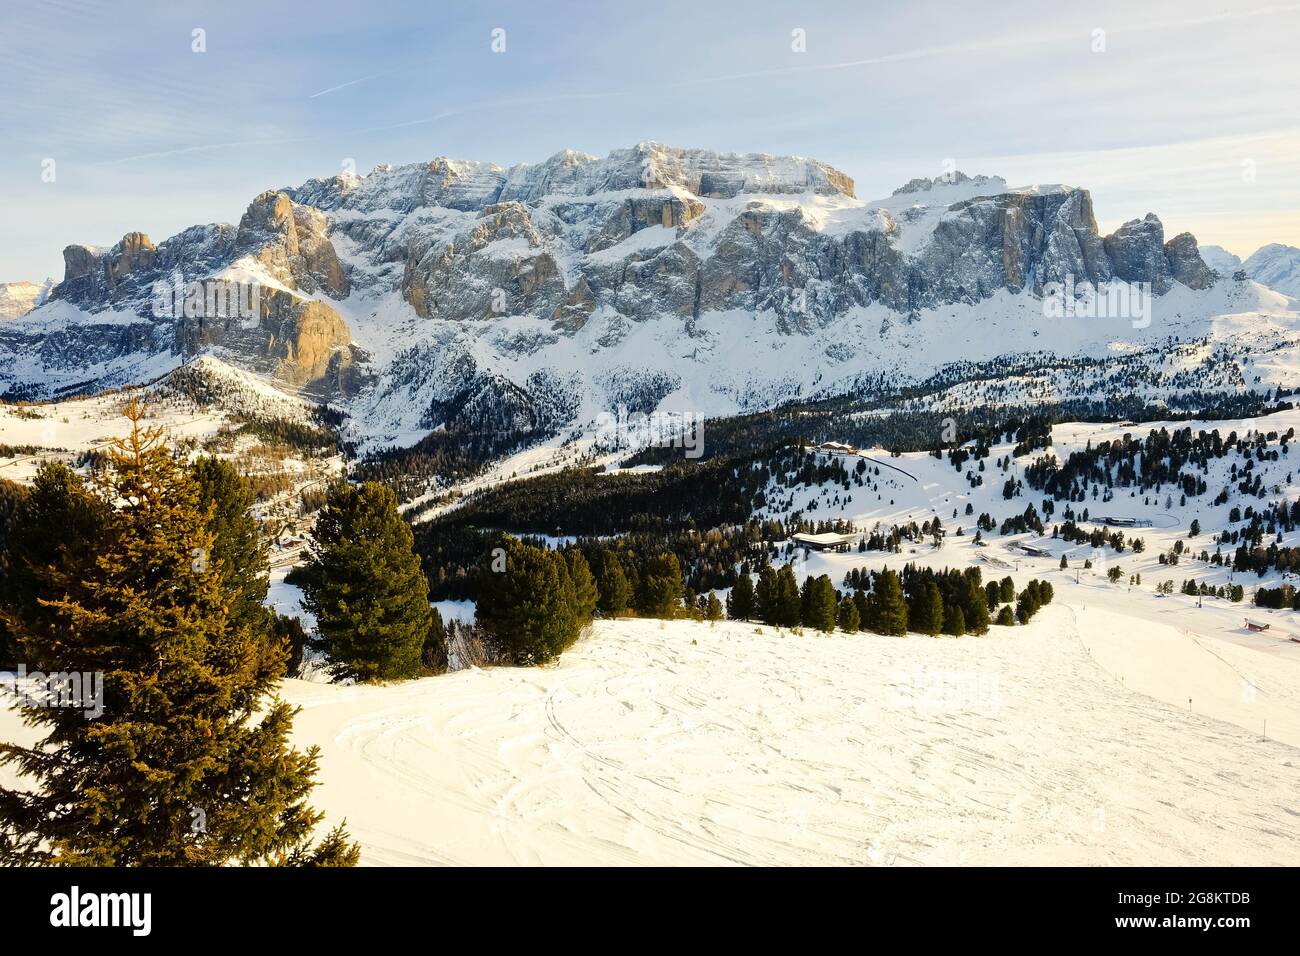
<point x="344" y="86"/>
<point x="992" y="44"/>
<point x="147" y="131"/>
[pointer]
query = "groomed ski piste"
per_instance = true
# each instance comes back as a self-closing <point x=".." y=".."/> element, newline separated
<point x="684" y="743"/>
<point x="1114" y="729"/>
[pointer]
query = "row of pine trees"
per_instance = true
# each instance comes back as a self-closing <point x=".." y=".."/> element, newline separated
<point x="921" y="599"/>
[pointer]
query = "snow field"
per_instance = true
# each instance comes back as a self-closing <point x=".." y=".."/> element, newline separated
<point x="685" y="743"/>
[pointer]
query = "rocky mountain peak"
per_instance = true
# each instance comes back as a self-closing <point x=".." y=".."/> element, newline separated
<point x="1137" y="252"/>
<point x="134" y="252"/>
<point x="1276" y="265"/>
<point x="469" y="186"/>
<point x="955" y="178"/>
<point x="292" y="242"/>
<point x="1185" y="262"/>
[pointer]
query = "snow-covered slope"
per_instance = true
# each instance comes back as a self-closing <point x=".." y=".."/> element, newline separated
<point x="1117" y="728"/>
<point x="1276" y="266"/>
<point x="19" y="298"/>
<point x="682" y="743"/>
<point x="1220" y="259"/>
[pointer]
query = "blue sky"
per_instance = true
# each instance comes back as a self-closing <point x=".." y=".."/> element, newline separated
<point x="1190" y="111"/>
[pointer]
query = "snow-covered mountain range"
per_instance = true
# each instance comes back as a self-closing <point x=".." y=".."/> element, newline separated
<point x="19" y="298"/>
<point x="532" y="298"/>
<point x="1276" y="266"/>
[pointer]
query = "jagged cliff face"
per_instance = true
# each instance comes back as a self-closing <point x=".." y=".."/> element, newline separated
<point x="512" y="298"/>
<point x="655" y="230"/>
<point x="104" y="325"/>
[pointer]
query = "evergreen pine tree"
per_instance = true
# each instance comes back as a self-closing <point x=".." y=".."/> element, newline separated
<point x="365" y="586"/>
<point x="292" y="636"/>
<point x="185" y="725"/>
<point x="806" y="602"/>
<point x="527" y="610"/>
<point x="713" y="608"/>
<point x="568" y="597"/>
<point x="788" y="604"/>
<point x="863" y="602"/>
<point x="1034" y="590"/>
<point x="931" y="607"/>
<point x="1027" y="604"/>
<point x="954" y="620"/>
<point x="12" y="495"/>
<point x="766" y="599"/>
<point x="662" y="587"/>
<point x="822" y="605"/>
<point x="890" y="610"/>
<point x="630" y="571"/>
<point x="847" y="615"/>
<point x="1005" y="617"/>
<point x="434" y="654"/>
<point x="740" y="601"/>
<point x="55" y="527"/>
<point x="585" y="593"/>
<point x="975" y="609"/>
<point x="612" y="584"/>
<point x="992" y="595"/>
<point x="237" y="550"/>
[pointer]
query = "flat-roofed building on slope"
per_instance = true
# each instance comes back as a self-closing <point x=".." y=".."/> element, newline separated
<point x="826" y="541"/>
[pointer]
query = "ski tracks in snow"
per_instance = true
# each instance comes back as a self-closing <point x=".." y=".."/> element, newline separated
<point x="679" y="742"/>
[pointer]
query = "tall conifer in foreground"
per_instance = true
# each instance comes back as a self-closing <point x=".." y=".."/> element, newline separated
<point x="366" y="588"/>
<point x="863" y="602"/>
<point x="929" y="620"/>
<point x="188" y="764"/>
<point x="12" y="495"/>
<point x="975" y="610"/>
